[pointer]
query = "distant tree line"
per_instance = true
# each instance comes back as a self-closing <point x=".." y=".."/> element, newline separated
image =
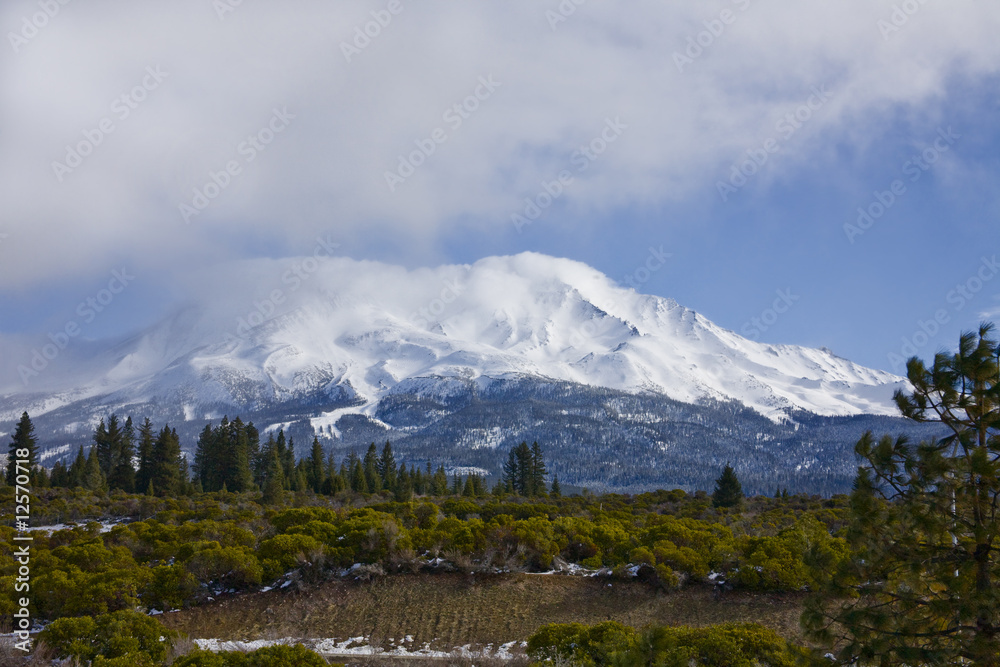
<point x="231" y="457"/>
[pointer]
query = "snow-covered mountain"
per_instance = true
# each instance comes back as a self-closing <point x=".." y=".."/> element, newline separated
<point x="325" y="339"/>
<point x="279" y="331"/>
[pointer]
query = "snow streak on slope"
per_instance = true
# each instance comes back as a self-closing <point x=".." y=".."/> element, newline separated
<point x="360" y="330"/>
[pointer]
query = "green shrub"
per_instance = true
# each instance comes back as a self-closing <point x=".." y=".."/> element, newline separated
<point x="271" y="656"/>
<point x="284" y="552"/>
<point x="131" y="637"/>
<point x="170" y="587"/>
<point x="610" y="643"/>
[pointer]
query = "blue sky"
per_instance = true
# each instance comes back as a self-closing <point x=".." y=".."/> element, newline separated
<point x="184" y="88"/>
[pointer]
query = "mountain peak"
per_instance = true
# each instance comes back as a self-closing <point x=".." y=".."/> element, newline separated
<point x="271" y="330"/>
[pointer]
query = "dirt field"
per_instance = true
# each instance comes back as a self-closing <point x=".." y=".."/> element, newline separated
<point x="450" y="610"/>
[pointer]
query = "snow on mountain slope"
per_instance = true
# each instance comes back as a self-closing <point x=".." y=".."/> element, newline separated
<point x="267" y="331"/>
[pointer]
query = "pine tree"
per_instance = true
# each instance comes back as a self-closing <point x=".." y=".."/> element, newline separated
<point x="920" y="583"/>
<point x="145" y="472"/>
<point x="469" y="489"/>
<point x="166" y="463"/>
<point x="403" y="492"/>
<point x="184" y="486"/>
<point x="264" y="460"/>
<point x="511" y="472"/>
<point x="102" y="445"/>
<point x="728" y="492"/>
<point x="520" y="474"/>
<point x="93" y="477"/>
<point x="387" y="467"/>
<point x="418" y="480"/>
<point x="287" y="452"/>
<point x="439" y="485"/>
<point x="253" y="450"/>
<point x="301" y="481"/>
<point x="122" y="455"/>
<point x="274" y="480"/>
<point x="372" y="478"/>
<point x="60" y="476"/>
<point x="238" y="475"/>
<point x="204" y="458"/>
<point x="538" y="470"/>
<point x="77" y="471"/>
<point x="317" y="471"/>
<point x="359" y="483"/>
<point x="23" y="447"/>
<point x="331" y="478"/>
<point x="556" y="489"/>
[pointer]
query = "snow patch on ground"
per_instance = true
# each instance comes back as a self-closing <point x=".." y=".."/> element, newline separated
<point x="358" y="646"/>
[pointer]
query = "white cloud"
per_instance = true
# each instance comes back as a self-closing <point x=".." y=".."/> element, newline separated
<point x="325" y="172"/>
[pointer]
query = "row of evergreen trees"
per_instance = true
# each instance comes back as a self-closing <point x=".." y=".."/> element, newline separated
<point x="231" y="457"/>
<point x="111" y="463"/>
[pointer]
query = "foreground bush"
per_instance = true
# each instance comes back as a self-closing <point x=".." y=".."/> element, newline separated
<point x="611" y="643"/>
<point x="125" y="638"/>
<point x="272" y="656"/>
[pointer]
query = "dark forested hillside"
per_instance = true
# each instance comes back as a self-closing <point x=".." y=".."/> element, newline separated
<point x="602" y="439"/>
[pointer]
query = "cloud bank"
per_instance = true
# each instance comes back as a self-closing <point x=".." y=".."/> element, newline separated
<point x="180" y="133"/>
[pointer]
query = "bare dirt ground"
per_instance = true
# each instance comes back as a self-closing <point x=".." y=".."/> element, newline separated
<point x="452" y="610"/>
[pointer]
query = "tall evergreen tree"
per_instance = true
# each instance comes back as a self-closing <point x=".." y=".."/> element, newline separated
<point x="264" y="460"/>
<point x="728" y="491"/>
<point x="77" y="471"/>
<point x="387" y="467"/>
<point x="403" y="491"/>
<point x="521" y="472"/>
<point x="184" y="485"/>
<point x="274" y="479"/>
<point x="23" y="447"/>
<point x="102" y="445"/>
<point x="238" y="475"/>
<point x="60" y="476"/>
<point x="556" y="489"/>
<point x="145" y="472"/>
<point x="538" y="470"/>
<point x="122" y="455"/>
<point x="317" y="469"/>
<point x="204" y="458"/>
<point x="253" y="449"/>
<point x="418" y="480"/>
<point x="359" y="482"/>
<point x="331" y="477"/>
<point x="439" y="484"/>
<point x="370" y="464"/>
<point x="287" y="451"/>
<point x="166" y="463"/>
<point x="93" y="477"/>
<point x="920" y="584"/>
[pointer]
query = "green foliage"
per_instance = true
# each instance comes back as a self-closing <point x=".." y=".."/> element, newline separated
<point x="728" y="492"/>
<point x="271" y="656"/>
<point x="610" y="643"/>
<point x="170" y="587"/>
<point x="524" y="472"/>
<point x="223" y="456"/>
<point x="285" y="552"/>
<point x="23" y="447"/>
<point x="230" y="566"/>
<point x="128" y="636"/>
<point x="919" y="585"/>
